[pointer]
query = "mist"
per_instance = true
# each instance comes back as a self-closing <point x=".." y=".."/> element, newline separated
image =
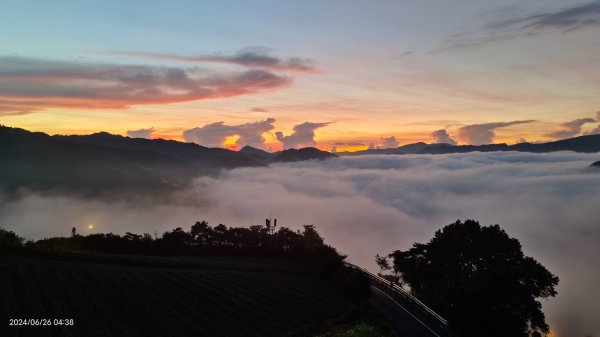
<point x="371" y="205"/>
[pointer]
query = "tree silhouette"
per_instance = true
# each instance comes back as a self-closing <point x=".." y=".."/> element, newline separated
<point x="479" y="279"/>
<point x="383" y="263"/>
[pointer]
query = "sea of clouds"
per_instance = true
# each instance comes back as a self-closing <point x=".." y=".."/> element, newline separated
<point x="376" y="204"/>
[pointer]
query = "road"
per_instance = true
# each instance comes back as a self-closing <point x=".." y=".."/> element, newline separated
<point x="404" y="319"/>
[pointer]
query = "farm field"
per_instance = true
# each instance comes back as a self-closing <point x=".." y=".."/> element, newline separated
<point x="163" y="296"/>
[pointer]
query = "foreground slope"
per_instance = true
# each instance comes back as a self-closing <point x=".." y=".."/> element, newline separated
<point x="165" y="296"/>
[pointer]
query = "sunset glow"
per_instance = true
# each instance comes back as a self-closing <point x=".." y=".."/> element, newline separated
<point x="368" y="73"/>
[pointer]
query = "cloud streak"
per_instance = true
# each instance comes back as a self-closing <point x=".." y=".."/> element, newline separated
<point x="141" y="133"/>
<point x="561" y="21"/>
<point x="570" y="129"/>
<point x="245" y="58"/>
<point x="28" y="84"/>
<point x="478" y="134"/>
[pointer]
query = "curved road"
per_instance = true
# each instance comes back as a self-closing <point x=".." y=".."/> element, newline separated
<point x="402" y="317"/>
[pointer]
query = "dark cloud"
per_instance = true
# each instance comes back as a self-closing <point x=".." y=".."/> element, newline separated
<point x="213" y="135"/>
<point x="478" y="134"/>
<point x="259" y="110"/>
<point x="250" y="58"/>
<point x="442" y="137"/>
<point x="348" y="143"/>
<point x="303" y="135"/>
<point x="564" y="20"/>
<point x="570" y="129"/>
<point x="141" y="133"/>
<point x="28" y="84"/>
<point x="376" y="204"/>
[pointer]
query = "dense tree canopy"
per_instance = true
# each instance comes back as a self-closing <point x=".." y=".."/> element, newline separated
<point x="305" y="245"/>
<point x="479" y="279"/>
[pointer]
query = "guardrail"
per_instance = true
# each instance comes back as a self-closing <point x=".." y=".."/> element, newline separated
<point x="397" y="289"/>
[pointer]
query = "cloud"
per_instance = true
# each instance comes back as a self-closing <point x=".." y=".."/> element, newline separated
<point x="442" y="137"/>
<point x="303" y="135"/>
<point x="478" y="134"/>
<point x="375" y="204"/>
<point x="259" y="110"/>
<point x="214" y="135"/>
<point x="28" y="84"/>
<point x="141" y="133"/>
<point x="389" y="142"/>
<point x="562" y="21"/>
<point x="570" y="129"/>
<point x="250" y="58"/>
<point x="349" y="143"/>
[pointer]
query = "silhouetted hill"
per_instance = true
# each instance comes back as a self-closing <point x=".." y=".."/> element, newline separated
<point x="306" y="153"/>
<point x="596" y="164"/>
<point x="586" y="144"/>
<point x="113" y="295"/>
<point x="289" y="155"/>
<point x="103" y="162"/>
<point x="258" y="154"/>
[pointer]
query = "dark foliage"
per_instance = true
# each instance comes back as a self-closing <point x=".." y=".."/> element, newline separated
<point x="9" y="238"/>
<point x="203" y="240"/>
<point x="478" y="278"/>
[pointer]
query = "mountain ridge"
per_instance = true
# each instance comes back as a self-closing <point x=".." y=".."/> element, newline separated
<point x="102" y="162"/>
<point x="583" y="144"/>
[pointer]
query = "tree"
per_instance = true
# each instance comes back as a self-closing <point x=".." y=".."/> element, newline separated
<point x="479" y="279"/>
<point x="383" y="263"/>
<point x="10" y="238"/>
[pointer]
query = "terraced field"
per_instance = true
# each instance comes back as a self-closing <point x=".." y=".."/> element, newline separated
<point x="147" y="296"/>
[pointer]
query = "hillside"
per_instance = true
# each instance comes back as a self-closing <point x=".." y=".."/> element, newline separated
<point x="105" y="163"/>
<point x="111" y="295"/>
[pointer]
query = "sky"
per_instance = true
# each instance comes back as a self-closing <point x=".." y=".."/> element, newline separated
<point x="389" y="202"/>
<point x="346" y="74"/>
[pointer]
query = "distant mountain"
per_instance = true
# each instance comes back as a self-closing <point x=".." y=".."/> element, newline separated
<point x="258" y="154"/>
<point x="306" y="153"/>
<point x="586" y="144"/>
<point x="596" y="164"/>
<point x="105" y="163"/>
<point x="290" y="155"/>
<point x="102" y="162"/>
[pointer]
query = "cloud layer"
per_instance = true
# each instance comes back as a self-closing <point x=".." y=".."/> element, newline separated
<point x="375" y="204"/>
<point x="28" y="84"/>
<point x="478" y="134"/>
<point x="214" y="135"/>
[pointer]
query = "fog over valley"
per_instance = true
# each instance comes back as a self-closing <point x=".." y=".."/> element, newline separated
<point x="548" y="201"/>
